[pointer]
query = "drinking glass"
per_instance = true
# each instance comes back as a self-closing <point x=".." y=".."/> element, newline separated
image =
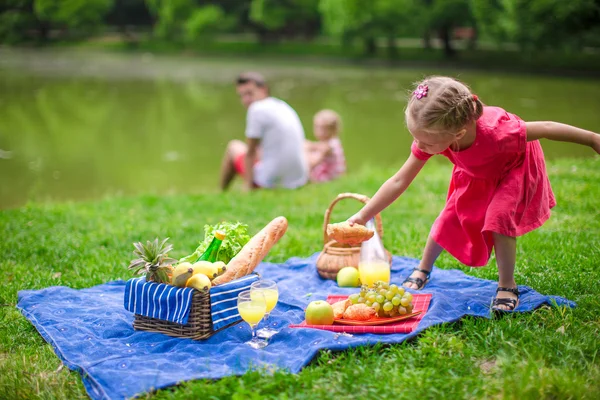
<point x="271" y="294"/>
<point x="252" y="308"/>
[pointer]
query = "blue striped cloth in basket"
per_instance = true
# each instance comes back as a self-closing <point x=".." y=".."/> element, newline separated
<point x="170" y="303"/>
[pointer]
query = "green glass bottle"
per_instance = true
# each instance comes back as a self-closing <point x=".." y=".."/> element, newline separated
<point x="210" y="254"/>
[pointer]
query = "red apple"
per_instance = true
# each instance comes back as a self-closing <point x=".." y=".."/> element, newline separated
<point x="319" y="312"/>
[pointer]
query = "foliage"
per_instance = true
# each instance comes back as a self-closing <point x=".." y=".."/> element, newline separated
<point x="350" y="19"/>
<point x="203" y="22"/>
<point x="236" y="236"/>
<point x="77" y="14"/>
<point x="290" y="18"/>
<point x="540" y="24"/>
<point x="184" y="20"/>
<point x="82" y="17"/>
<point x="531" y="24"/>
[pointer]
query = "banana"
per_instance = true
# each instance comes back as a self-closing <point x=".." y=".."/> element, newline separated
<point x="199" y="282"/>
<point x="181" y="274"/>
<point x="205" y="267"/>
<point x="221" y="267"/>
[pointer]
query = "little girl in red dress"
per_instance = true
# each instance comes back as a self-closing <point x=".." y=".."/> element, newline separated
<point x="499" y="188"/>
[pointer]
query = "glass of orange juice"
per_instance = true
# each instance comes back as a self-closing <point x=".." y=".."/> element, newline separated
<point x="269" y="291"/>
<point x="373" y="271"/>
<point x="373" y="265"/>
<point x="252" y="308"/>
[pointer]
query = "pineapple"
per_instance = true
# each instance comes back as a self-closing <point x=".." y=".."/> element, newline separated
<point x="153" y="260"/>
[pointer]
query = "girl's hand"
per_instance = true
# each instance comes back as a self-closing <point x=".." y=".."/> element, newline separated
<point x="357" y="219"/>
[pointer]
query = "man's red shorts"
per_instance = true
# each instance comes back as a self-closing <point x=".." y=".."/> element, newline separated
<point x="239" y="164"/>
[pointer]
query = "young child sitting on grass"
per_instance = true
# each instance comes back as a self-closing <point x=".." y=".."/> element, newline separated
<point x="325" y="157"/>
<point x="499" y="188"/>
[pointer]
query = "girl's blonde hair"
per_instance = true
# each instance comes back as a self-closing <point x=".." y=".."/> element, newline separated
<point x="330" y="119"/>
<point x="447" y="105"/>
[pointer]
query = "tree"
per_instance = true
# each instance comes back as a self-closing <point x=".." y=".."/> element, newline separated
<point x="16" y="19"/>
<point x="19" y="17"/>
<point x="540" y="24"/>
<point x="80" y="15"/>
<point x="277" y="18"/>
<point x="443" y="16"/>
<point x="184" y="20"/>
<point x="369" y="20"/>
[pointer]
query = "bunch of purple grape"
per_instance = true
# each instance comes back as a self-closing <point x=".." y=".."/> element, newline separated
<point x="387" y="300"/>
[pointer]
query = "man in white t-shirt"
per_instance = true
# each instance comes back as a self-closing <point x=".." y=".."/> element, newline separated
<point x="273" y="154"/>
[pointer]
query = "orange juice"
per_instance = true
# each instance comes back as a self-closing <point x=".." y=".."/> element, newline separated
<point x="371" y="272"/>
<point x="252" y="311"/>
<point x="271" y="297"/>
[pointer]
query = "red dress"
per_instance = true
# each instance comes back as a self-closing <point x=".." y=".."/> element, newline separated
<point x="499" y="184"/>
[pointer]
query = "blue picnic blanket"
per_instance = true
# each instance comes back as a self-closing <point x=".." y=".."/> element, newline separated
<point x="173" y="304"/>
<point x="92" y="333"/>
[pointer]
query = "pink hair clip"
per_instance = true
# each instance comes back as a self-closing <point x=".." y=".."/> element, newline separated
<point x="421" y="91"/>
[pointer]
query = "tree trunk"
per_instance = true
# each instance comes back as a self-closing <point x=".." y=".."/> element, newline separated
<point x="392" y="49"/>
<point x="427" y="40"/>
<point x="472" y="44"/>
<point x="445" y="37"/>
<point x="44" y="31"/>
<point x="370" y="46"/>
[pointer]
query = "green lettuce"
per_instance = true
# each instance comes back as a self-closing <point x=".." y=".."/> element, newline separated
<point x="236" y="237"/>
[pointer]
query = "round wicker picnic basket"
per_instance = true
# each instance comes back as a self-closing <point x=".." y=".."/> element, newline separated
<point x="336" y="256"/>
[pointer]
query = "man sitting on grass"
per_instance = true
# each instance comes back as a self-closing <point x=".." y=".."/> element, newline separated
<point x="272" y="155"/>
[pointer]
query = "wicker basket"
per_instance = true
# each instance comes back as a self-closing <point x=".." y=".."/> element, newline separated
<point x="336" y="256"/>
<point x="199" y="324"/>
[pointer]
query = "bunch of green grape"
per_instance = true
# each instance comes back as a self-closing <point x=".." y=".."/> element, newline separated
<point x="387" y="300"/>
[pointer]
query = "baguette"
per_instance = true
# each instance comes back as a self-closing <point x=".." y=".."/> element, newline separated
<point x="254" y="251"/>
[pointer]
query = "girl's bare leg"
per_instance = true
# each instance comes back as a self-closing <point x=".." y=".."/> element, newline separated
<point x="431" y="252"/>
<point x="505" y="248"/>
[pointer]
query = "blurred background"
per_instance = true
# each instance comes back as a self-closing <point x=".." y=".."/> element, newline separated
<point x="117" y="97"/>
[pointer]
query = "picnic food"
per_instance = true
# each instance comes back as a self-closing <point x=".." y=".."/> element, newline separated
<point x="254" y="251"/>
<point x="373" y="271"/>
<point x="319" y="312"/>
<point x="387" y="300"/>
<point x="348" y="277"/>
<point x="342" y="232"/>
<point x="359" y="312"/>
<point x="339" y="308"/>
<point x="236" y="236"/>
<point x="221" y="267"/>
<point x="153" y="260"/>
<point x="181" y="274"/>
<point x="207" y="268"/>
<point x="199" y="282"/>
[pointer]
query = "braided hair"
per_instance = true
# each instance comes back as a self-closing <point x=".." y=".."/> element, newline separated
<point x="442" y="104"/>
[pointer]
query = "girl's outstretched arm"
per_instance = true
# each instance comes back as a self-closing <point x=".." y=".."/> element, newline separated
<point x="562" y="133"/>
<point x="389" y="191"/>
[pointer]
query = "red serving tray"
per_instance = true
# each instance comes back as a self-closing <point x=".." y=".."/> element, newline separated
<point x="401" y="324"/>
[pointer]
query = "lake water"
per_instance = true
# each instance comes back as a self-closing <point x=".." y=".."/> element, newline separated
<point x="80" y="125"/>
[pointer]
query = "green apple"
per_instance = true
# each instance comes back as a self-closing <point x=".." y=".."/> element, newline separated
<point x="319" y="312"/>
<point x="348" y="277"/>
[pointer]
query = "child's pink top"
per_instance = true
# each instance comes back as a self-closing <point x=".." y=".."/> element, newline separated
<point x="499" y="184"/>
<point x="332" y="166"/>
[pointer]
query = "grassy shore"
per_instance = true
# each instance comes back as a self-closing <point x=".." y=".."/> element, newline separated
<point x="409" y="53"/>
<point x="549" y="353"/>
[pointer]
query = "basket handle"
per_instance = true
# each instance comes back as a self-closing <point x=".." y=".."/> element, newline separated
<point x="360" y="197"/>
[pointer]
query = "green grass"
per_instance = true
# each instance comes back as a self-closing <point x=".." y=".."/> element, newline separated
<point x="549" y="353"/>
<point x="537" y="62"/>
